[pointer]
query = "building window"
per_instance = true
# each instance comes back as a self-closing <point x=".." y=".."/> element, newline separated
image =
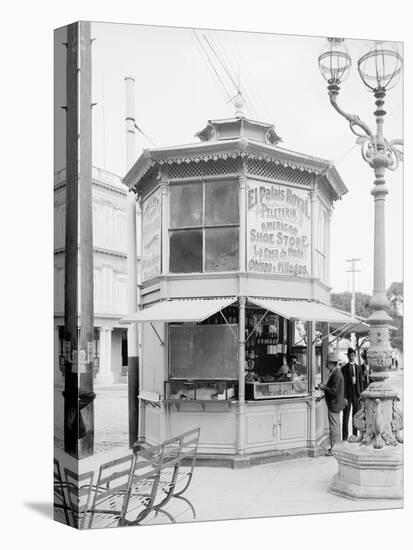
<point x="186" y="251"/>
<point x="204" y="227"/>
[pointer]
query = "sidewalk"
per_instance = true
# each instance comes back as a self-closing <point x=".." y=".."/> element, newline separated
<point x="292" y="487"/>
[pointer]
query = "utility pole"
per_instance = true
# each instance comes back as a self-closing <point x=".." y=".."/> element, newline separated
<point x="79" y="426"/>
<point x="133" y="339"/>
<point x="353" y="271"/>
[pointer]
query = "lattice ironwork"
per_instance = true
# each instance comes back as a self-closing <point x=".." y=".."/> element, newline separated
<point x="279" y="172"/>
<point x="292" y="425"/>
<point x="260" y="429"/>
<point x="204" y="168"/>
<point x="183" y="421"/>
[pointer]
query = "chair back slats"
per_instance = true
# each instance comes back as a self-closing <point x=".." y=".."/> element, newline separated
<point x="143" y="485"/>
<point x="129" y="488"/>
<point x="115" y="470"/>
<point x="60" y="500"/>
<point x="79" y="490"/>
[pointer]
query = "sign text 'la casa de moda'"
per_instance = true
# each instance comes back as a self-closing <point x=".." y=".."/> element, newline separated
<point x="278" y="229"/>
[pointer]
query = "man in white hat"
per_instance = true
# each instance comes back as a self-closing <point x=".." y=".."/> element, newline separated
<point x="334" y="394"/>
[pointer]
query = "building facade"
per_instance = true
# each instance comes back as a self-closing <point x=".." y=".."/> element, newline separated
<point x="110" y="277"/>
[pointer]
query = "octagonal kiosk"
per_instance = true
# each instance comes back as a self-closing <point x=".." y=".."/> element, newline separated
<point x="234" y="300"/>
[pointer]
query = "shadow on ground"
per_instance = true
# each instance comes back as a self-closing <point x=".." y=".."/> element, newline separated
<point x="43" y="508"/>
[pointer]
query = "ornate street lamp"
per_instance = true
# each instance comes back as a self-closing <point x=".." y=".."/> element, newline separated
<point x="379" y="421"/>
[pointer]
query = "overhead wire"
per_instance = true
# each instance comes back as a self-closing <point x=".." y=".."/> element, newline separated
<point x="248" y="92"/>
<point x="226" y="70"/>
<point x="144" y="135"/>
<point x="222" y="55"/>
<point x="211" y="66"/>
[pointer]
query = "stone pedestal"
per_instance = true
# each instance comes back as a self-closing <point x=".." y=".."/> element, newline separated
<point x="368" y="473"/>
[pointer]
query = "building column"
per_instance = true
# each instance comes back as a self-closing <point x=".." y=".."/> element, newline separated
<point x="313" y="232"/>
<point x="241" y="421"/>
<point x="328" y="244"/>
<point x="105" y="375"/>
<point x="165" y="225"/>
<point x="242" y="180"/>
<point x="311" y="376"/>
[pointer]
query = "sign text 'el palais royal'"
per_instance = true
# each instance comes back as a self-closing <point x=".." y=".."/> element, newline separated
<point x="278" y="229"/>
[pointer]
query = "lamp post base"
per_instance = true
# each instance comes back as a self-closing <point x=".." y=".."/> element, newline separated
<point x="368" y="473"/>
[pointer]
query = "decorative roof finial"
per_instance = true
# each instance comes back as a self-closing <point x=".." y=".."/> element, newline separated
<point x="239" y="100"/>
<point x="239" y="103"/>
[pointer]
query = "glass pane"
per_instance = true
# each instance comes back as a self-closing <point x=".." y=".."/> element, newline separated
<point x="185" y="253"/>
<point x="203" y="352"/>
<point x="185" y="205"/>
<point x="221" y="203"/>
<point x="221" y="249"/>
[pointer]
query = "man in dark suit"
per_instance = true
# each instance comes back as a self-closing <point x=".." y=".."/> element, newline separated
<point x="334" y="394"/>
<point x="353" y="386"/>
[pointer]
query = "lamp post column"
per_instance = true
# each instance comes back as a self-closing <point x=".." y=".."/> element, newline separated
<point x="380" y="352"/>
<point x="370" y="465"/>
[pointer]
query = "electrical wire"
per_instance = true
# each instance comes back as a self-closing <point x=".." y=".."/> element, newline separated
<point x="221" y="55"/>
<point x="226" y="70"/>
<point x="144" y="135"/>
<point x="211" y="65"/>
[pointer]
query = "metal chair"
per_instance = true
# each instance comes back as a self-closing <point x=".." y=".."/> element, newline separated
<point x="79" y="490"/>
<point x="164" y="458"/>
<point x="188" y="452"/>
<point x="61" y="505"/>
<point x="126" y="490"/>
<point x="109" y="492"/>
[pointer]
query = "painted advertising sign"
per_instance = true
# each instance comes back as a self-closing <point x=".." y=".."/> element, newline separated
<point x="151" y="236"/>
<point x="278" y="230"/>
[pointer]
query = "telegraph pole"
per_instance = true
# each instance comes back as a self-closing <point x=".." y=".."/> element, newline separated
<point x="353" y="271"/>
<point x="133" y="338"/>
<point x="78" y="409"/>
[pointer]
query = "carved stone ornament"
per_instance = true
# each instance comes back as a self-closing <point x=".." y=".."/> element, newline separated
<point x="371" y="420"/>
<point x="379" y="359"/>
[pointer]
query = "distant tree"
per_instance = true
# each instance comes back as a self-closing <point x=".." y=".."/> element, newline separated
<point x="395" y="289"/>
<point x="342" y="300"/>
<point x="396" y="337"/>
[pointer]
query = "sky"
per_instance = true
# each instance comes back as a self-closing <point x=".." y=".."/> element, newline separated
<point x="177" y="92"/>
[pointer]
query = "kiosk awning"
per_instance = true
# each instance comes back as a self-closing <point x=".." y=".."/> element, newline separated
<point x="304" y="310"/>
<point x="180" y="311"/>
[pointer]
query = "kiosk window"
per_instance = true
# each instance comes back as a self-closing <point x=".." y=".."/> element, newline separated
<point x="221" y="203"/>
<point x="207" y="352"/>
<point x="186" y="205"/>
<point x="221" y="249"/>
<point x="186" y="251"/>
<point x="204" y="227"/>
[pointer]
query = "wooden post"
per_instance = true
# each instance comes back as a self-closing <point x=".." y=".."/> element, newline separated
<point x="86" y="234"/>
<point x="324" y="351"/>
<point x="241" y="436"/>
<point x="71" y="422"/>
<point x="314" y="272"/>
<point x="311" y="375"/>
<point x="133" y="341"/>
<point x="78" y="371"/>
<point x="243" y="218"/>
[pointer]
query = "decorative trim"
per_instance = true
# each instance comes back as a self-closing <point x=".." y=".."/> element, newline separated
<point x="103" y="251"/>
<point x="232" y="149"/>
